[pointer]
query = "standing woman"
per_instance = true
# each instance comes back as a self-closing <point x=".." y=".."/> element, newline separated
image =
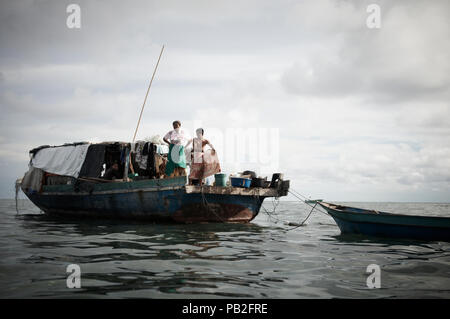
<point x="176" y="165"/>
<point x="204" y="164"/>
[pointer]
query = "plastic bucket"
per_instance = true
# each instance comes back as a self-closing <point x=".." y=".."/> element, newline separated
<point x="240" y="182"/>
<point x="221" y="179"/>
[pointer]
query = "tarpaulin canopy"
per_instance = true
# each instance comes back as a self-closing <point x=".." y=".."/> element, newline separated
<point x="61" y="160"/>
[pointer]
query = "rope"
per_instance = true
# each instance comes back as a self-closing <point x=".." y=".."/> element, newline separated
<point x="275" y="203"/>
<point x="206" y="204"/>
<point x="270" y="214"/>
<point x="303" y="222"/>
<point x="274" y="200"/>
<point x="297" y="195"/>
<point x="305" y="201"/>
<point x="18" y="182"/>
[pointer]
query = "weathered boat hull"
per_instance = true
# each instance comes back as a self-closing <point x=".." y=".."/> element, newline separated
<point x="380" y="224"/>
<point x="157" y="200"/>
<point x="313" y="201"/>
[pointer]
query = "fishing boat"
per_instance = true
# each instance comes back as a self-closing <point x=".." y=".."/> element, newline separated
<point x="313" y="201"/>
<point x="381" y="224"/>
<point x="65" y="181"/>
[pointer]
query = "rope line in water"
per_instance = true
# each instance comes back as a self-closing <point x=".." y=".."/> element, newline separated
<point x="275" y="202"/>
<point x="297" y="195"/>
<point x="206" y="204"/>
<point x="303" y="222"/>
<point x="272" y="214"/>
<point x="304" y="201"/>
<point x="17" y="184"/>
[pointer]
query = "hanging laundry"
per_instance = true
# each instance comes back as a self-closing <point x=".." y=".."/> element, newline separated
<point x="93" y="163"/>
<point x="141" y="159"/>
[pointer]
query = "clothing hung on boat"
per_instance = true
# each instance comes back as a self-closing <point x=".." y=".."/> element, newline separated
<point x="149" y="149"/>
<point x="141" y="158"/>
<point x="93" y="163"/>
<point x="162" y="149"/>
<point x="160" y="165"/>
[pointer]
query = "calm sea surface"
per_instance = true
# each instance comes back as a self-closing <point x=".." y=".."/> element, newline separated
<point x="263" y="259"/>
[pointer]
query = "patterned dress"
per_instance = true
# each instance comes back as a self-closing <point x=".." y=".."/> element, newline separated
<point x="204" y="164"/>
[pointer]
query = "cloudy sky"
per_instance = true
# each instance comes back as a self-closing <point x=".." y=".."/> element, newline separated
<point x="348" y="112"/>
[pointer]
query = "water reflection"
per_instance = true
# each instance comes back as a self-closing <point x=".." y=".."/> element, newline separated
<point x="263" y="259"/>
<point x="121" y="256"/>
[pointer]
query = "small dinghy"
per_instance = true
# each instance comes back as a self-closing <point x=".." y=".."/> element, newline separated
<point x="374" y="223"/>
<point x="313" y="201"/>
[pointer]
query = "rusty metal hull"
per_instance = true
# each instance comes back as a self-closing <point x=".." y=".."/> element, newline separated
<point x="176" y="203"/>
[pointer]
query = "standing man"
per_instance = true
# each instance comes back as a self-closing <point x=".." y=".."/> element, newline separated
<point x="176" y="165"/>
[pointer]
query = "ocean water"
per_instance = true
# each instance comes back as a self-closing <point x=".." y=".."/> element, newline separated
<point x="266" y="258"/>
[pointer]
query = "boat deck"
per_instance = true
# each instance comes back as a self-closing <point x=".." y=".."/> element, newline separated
<point x="155" y="185"/>
<point x="229" y="190"/>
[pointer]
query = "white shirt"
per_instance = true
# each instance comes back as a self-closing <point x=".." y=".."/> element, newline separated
<point x="177" y="137"/>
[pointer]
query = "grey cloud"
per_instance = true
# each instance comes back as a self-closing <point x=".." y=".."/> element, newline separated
<point x="307" y="67"/>
<point x="407" y="59"/>
<point x="35" y="31"/>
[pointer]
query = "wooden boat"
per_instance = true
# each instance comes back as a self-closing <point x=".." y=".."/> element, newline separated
<point x="150" y="198"/>
<point x="313" y="201"/>
<point x="381" y="224"/>
<point x="168" y="199"/>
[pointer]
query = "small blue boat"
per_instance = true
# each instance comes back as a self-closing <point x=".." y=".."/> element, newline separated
<point x="313" y="201"/>
<point x="373" y="223"/>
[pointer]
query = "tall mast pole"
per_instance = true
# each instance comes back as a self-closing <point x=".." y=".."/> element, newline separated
<point x="148" y="90"/>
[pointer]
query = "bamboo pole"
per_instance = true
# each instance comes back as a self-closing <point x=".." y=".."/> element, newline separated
<point x="148" y="90"/>
<point x="142" y="110"/>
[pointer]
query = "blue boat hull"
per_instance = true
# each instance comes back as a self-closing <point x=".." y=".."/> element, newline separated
<point x="164" y="205"/>
<point x="352" y="220"/>
<point x="158" y="200"/>
<point x="394" y="231"/>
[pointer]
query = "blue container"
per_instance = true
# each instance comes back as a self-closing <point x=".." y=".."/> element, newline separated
<point x="240" y="182"/>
